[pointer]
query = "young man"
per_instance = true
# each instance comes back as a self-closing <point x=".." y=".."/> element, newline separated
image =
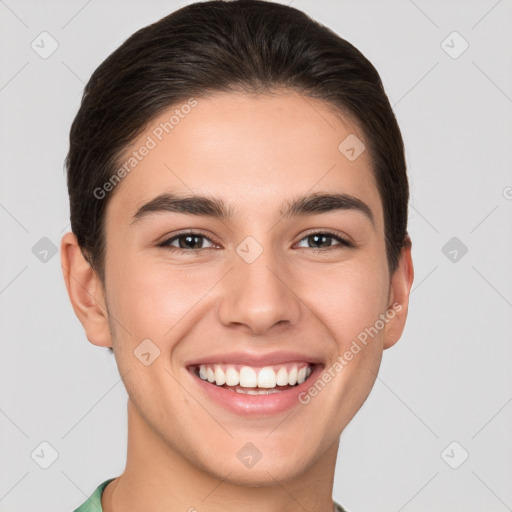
<point x="238" y="199"/>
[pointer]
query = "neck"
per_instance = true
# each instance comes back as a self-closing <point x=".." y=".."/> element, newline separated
<point x="158" y="477"/>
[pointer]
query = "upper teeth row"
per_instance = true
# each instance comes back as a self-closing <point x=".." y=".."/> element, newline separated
<point x="249" y="377"/>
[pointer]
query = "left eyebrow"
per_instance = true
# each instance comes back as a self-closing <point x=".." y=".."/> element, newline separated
<point x="311" y="204"/>
<point x="308" y="204"/>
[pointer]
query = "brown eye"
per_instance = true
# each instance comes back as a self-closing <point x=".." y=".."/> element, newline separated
<point x="316" y="240"/>
<point x="186" y="242"/>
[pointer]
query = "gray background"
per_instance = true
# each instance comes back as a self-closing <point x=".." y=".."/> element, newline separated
<point x="449" y="377"/>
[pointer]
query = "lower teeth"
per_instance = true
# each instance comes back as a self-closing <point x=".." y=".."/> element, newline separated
<point x="253" y="391"/>
<point x="256" y="391"/>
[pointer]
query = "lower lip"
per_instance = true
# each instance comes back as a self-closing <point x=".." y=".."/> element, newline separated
<point x="255" y="405"/>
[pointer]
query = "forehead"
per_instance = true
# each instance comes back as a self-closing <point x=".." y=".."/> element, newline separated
<point x="249" y="150"/>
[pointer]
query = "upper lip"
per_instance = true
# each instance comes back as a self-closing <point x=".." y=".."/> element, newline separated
<point x="255" y="358"/>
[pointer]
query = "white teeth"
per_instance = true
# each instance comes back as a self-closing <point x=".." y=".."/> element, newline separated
<point x="256" y="392"/>
<point x="248" y="377"/>
<point x="232" y="376"/>
<point x="220" y="376"/>
<point x="267" y="377"/>
<point x="282" y="377"/>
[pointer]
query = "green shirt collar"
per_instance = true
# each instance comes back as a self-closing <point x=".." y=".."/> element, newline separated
<point x="93" y="503"/>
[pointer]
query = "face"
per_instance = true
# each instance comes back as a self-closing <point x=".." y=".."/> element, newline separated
<point x="273" y="283"/>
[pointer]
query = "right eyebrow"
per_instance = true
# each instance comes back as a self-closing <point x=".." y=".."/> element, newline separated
<point x="193" y="205"/>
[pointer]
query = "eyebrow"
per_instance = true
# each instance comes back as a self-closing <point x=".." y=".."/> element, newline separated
<point x="308" y="204"/>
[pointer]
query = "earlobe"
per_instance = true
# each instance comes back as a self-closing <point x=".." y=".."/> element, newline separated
<point x="401" y="283"/>
<point x="85" y="292"/>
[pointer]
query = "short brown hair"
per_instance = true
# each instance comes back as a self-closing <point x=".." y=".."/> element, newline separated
<point x="250" y="45"/>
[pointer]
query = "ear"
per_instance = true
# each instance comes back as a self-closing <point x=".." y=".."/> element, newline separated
<point x="401" y="283"/>
<point x="85" y="292"/>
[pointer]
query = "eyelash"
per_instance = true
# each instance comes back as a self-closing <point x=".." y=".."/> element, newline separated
<point x="343" y="242"/>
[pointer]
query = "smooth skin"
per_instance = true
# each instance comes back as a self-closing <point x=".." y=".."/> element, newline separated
<point x="255" y="153"/>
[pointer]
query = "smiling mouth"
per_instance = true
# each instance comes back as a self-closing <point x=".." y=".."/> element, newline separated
<point x="254" y="380"/>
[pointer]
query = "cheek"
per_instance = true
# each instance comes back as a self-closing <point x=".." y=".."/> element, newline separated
<point x="349" y="299"/>
<point x="152" y="298"/>
<point x="158" y="300"/>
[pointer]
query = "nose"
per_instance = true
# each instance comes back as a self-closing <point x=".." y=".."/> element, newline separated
<point x="259" y="296"/>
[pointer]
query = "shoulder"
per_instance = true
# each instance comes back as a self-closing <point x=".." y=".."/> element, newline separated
<point x="93" y="503"/>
